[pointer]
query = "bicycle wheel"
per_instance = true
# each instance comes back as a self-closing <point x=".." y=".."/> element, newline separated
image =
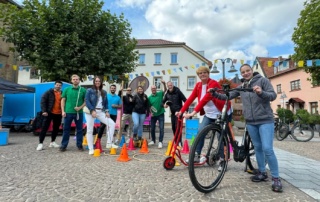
<point x="282" y="131"/>
<point x="207" y="177"/>
<point x="251" y="163"/>
<point x="302" y="132"/>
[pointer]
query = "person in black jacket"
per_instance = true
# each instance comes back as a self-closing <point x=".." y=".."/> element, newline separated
<point x="173" y="99"/>
<point x="127" y="103"/>
<point x="139" y="113"/>
<point x="51" y="111"/>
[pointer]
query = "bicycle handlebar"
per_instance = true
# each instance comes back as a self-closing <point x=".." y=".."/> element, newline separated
<point x="229" y="90"/>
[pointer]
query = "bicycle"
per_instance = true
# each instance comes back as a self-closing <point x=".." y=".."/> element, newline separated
<point x="280" y="127"/>
<point x="299" y="131"/>
<point x="217" y="135"/>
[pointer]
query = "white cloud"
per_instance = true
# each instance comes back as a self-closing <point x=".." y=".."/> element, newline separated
<point x="132" y="3"/>
<point x="225" y="27"/>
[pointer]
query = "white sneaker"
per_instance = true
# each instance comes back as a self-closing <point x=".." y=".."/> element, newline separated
<point x="151" y="143"/>
<point x="109" y="146"/>
<point x="54" y="144"/>
<point x="39" y="147"/>
<point x="160" y="145"/>
<point x="90" y="151"/>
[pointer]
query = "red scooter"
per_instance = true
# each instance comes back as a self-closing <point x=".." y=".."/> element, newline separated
<point x="170" y="161"/>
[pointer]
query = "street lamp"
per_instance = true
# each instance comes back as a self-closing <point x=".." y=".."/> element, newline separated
<point x="283" y="96"/>
<point x="232" y="68"/>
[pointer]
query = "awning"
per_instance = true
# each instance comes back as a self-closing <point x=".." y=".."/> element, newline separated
<point x="295" y="100"/>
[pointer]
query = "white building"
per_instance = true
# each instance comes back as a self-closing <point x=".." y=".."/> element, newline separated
<point x="158" y="59"/>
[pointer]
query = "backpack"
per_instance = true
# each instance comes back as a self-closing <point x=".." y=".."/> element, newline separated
<point x="37" y="122"/>
<point x="239" y="153"/>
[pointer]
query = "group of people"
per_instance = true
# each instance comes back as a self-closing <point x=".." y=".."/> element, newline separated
<point x="256" y="107"/>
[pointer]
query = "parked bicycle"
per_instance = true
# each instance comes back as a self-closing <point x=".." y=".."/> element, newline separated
<point x="218" y="135"/>
<point x="299" y="131"/>
<point x="280" y="127"/>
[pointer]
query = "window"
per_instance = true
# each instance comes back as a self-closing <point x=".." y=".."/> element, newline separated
<point x="191" y="82"/>
<point x="191" y="107"/>
<point x="142" y="59"/>
<point x="157" y="82"/>
<point x="279" y="88"/>
<point x="295" y="85"/>
<point x="237" y="112"/>
<point x="313" y="107"/>
<point x="33" y="73"/>
<point x="174" y="58"/>
<point x="157" y="58"/>
<point x="175" y="81"/>
<point x="237" y="100"/>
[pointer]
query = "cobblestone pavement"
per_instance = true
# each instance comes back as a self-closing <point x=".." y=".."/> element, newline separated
<point x="49" y="175"/>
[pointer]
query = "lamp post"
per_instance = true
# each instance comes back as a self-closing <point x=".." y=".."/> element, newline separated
<point x="283" y="96"/>
<point x="215" y="68"/>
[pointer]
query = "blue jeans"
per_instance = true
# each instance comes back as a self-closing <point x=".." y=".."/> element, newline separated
<point x="154" y="120"/>
<point x="138" y="120"/>
<point x="67" y="126"/>
<point x="262" y="139"/>
<point x="206" y="121"/>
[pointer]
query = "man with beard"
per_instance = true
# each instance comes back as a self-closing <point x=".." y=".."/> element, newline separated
<point x="72" y="103"/>
<point x="173" y="98"/>
<point x="127" y="112"/>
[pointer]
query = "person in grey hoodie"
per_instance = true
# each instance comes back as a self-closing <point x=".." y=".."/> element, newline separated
<point x="260" y="122"/>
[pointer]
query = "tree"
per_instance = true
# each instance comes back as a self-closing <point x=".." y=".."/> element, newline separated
<point x="65" y="37"/>
<point x="306" y="37"/>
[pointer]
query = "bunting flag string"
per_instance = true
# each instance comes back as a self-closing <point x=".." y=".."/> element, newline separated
<point x="270" y="64"/>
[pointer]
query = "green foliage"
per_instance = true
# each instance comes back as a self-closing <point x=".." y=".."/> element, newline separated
<point x="285" y="115"/>
<point x="304" y="114"/>
<point x="65" y="37"/>
<point x="314" y="119"/>
<point x="306" y="37"/>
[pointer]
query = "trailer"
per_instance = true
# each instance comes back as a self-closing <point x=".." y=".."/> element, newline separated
<point x="19" y="110"/>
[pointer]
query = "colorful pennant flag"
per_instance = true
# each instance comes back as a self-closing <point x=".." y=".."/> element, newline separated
<point x="147" y="74"/>
<point x="269" y="63"/>
<point x="181" y="69"/>
<point x="169" y="71"/>
<point x="1" y="65"/>
<point x="164" y="72"/>
<point x="14" y="67"/>
<point x="241" y="62"/>
<point x="300" y="63"/>
<point x="317" y="62"/>
<point x="309" y="63"/>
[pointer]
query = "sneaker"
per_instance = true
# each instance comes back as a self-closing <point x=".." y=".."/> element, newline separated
<point x="54" y="144"/>
<point x="196" y="159"/>
<point x="109" y="146"/>
<point x="39" y="147"/>
<point x="63" y="149"/>
<point x="276" y="185"/>
<point x="260" y="176"/>
<point x="151" y="143"/>
<point x="221" y="165"/>
<point x="160" y="145"/>
<point x="90" y="151"/>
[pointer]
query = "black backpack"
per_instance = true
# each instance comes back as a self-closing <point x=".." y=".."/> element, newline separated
<point x="37" y="122"/>
<point x="239" y="153"/>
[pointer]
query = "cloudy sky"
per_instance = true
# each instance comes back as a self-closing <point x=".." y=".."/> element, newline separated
<point x="239" y="29"/>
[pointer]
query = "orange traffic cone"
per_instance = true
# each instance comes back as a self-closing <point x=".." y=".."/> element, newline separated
<point x="185" y="149"/>
<point x="96" y="153"/>
<point x="98" y="145"/>
<point x="124" y="154"/>
<point x="131" y="145"/>
<point x="144" y="148"/>
<point x="85" y="142"/>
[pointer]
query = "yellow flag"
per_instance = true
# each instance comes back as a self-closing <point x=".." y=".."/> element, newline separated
<point x="147" y="74"/>
<point x="192" y="66"/>
<point x="242" y="62"/>
<point x="14" y="67"/>
<point x="269" y="63"/>
<point x="126" y="75"/>
<point x="169" y="71"/>
<point x="300" y="63"/>
<point x="216" y="61"/>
